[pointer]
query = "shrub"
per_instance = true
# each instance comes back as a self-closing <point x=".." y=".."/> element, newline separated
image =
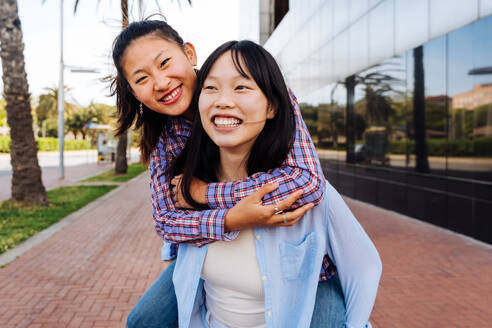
<point x="483" y="146"/>
<point x="4" y="144"/>
<point x="48" y="144"/>
<point x="479" y="147"/>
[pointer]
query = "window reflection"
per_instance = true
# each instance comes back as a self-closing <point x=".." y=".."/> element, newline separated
<point x="414" y="132"/>
<point x="454" y="109"/>
<point x="470" y="90"/>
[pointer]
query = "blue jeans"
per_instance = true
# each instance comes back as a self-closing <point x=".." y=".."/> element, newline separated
<point x="329" y="308"/>
<point x="158" y="308"/>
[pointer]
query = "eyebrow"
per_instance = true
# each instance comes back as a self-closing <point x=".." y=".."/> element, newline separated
<point x="238" y="76"/>
<point x="155" y="58"/>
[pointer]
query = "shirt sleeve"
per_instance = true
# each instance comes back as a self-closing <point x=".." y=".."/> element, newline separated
<point x="356" y="258"/>
<point x="174" y="225"/>
<point x="300" y="171"/>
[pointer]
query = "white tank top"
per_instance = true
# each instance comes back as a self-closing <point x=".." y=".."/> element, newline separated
<point x="233" y="286"/>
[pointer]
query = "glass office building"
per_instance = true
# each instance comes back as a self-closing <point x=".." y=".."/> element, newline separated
<point x="397" y="95"/>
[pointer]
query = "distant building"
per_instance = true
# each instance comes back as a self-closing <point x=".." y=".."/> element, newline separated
<point x="479" y="96"/>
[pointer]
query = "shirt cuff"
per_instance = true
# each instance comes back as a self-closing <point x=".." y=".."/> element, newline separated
<point x="231" y="235"/>
<point x="212" y="224"/>
<point x="221" y="194"/>
<point x="167" y="253"/>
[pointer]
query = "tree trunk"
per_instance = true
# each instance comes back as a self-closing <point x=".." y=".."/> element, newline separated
<point x="121" y="164"/>
<point x="27" y="185"/>
<point x="422" y="161"/>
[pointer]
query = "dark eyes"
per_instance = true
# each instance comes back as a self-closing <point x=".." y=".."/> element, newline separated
<point x="239" y="87"/>
<point x="164" y="62"/>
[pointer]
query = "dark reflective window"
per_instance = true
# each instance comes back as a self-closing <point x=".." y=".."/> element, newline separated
<point x="470" y="91"/>
<point x="414" y="133"/>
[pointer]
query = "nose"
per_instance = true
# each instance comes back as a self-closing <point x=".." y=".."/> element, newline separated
<point x="161" y="82"/>
<point x="224" y="100"/>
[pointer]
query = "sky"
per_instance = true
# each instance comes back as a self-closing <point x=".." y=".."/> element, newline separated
<point x="89" y="35"/>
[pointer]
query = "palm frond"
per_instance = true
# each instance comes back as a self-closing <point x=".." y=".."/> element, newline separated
<point x="75" y="5"/>
<point x="158" y="5"/>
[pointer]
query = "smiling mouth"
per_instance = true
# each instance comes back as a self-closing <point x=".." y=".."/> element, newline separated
<point x="172" y="96"/>
<point x="226" y="121"/>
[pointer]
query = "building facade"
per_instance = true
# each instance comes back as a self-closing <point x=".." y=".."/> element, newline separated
<point x="397" y="95"/>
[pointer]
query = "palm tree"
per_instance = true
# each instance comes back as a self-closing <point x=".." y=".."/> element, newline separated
<point x="27" y="185"/>
<point x="121" y="164"/>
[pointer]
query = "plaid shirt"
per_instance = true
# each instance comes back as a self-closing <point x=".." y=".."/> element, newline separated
<point x="300" y="171"/>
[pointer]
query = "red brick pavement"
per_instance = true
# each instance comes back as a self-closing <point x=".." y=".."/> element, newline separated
<point x="431" y="277"/>
<point x="91" y="273"/>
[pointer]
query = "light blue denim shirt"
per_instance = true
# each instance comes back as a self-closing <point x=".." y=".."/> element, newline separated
<point x="289" y="259"/>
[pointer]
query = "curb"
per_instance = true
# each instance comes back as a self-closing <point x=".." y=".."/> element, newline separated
<point x="45" y="234"/>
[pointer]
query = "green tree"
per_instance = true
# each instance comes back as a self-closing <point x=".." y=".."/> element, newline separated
<point x="310" y="116"/>
<point x="78" y="118"/>
<point x="331" y="124"/>
<point x="27" y="185"/>
<point x="76" y="122"/>
<point x="3" y="113"/>
<point x="47" y="112"/>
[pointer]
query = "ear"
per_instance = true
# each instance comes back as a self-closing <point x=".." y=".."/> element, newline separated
<point x="271" y="111"/>
<point x="189" y="50"/>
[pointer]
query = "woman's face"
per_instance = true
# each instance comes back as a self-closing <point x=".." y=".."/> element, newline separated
<point x="160" y="73"/>
<point x="233" y="109"/>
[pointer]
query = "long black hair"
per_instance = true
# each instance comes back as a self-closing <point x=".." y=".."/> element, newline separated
<point x="152" y="123"/>
<point x="200" y="158"/>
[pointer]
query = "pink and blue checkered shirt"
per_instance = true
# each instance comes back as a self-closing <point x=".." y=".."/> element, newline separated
<point x="300" y="171"/>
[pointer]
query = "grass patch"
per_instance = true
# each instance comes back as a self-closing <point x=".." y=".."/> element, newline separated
<point x="109" y="176"/>
<point x="19" y="222"/>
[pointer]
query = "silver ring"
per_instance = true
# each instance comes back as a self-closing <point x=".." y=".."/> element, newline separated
<point x="285" y="219"/>
<point x="277" y="211"/>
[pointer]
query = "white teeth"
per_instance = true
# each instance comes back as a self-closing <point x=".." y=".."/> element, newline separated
<point x="172" y="95"/>
<point x="226" y="122"/>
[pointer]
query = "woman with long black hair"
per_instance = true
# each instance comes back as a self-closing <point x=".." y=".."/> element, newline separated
<point x="266" y="277"/>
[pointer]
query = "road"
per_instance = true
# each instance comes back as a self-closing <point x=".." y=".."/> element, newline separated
<point x="50" y="160"/>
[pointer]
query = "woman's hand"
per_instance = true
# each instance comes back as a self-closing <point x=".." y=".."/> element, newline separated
<point x="198" y="190"/>
<point x="251" y="213"/>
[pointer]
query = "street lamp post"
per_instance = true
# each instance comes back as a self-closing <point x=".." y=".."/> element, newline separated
<point x="61" y="101"/>
<point x="61" y="96"/>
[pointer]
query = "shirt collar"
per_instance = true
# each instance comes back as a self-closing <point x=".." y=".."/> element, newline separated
<point x="178" y="126"/>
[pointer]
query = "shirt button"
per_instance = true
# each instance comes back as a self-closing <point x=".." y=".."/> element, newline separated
<point x="269" y="313"/>
<point x="258" y="237"/>
<point x="263" y="278"/>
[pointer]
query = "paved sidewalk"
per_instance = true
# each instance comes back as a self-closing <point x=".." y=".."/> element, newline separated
<point x="91" y="273"/>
